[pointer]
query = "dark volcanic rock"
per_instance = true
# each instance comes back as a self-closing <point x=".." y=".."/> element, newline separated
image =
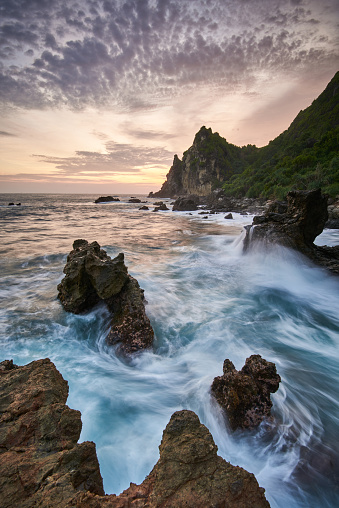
<point x="228" y="216"/>
<point x="185" y="204"/>
<point x="245" y="394"/>
<point x="41" y="463"/>
<point x="134" y="200"/>
<point x="144" y="207"/>
<point x="304" y="219"/>
<point x="106" y="199"/>
<point x="91" y="277"/>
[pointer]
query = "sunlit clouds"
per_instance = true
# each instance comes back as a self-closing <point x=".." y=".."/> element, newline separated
<point x="110" y="90"/>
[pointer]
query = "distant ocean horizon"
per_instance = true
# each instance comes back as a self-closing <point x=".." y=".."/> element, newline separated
<point x="207" y="301"/>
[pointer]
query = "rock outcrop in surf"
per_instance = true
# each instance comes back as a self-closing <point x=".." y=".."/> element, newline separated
<point x="91" y="276"/>
<point x="295" y="224"/>
<point x="245" y="394"/>
<point x="42" y="464"/>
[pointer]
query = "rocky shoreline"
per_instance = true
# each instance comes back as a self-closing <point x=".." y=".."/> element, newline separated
<point x="42" y="463"/>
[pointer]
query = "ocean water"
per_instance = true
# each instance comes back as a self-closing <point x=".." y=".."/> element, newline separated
<point x="206" y="302"/>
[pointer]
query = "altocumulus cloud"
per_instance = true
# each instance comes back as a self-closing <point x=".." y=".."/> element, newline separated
<point x="119" y="158"/>
<point x="133" y="54"/>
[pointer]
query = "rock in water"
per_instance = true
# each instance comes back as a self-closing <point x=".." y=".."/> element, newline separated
<point x="296" y="227"/>
<point x="185" y="204"/>
<point x="92" y="276"/>
<point x="245" y="394"/>
<point x="189" y="474"/>
<point x="41" y="463"/>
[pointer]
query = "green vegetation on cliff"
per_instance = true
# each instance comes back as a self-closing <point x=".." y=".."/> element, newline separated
<point x="305" y="156"/>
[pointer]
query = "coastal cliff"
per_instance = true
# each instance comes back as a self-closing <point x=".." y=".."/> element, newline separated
<point x="209" y="162"/>
<point x="303" y="157"/>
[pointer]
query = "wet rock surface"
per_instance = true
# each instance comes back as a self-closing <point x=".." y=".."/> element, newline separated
<point x="91" y="276"/>
<point x="41" y="464"/>
<point x="296" y="225"/>
<point x="245" y="394"/>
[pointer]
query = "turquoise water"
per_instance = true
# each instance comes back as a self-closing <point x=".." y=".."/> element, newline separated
<point x="207" y="302"/>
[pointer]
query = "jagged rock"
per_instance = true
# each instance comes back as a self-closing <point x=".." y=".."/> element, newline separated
<point x="106" y="199"/>
<point x="228" y="216"/>
<point x="304" y="219"/>
<point x="189" y="474"/>
<point x="185" y="204"/>
<point x="144" y="207"/>
<point x="245" y="394"/>
<point x="91" y="277"/>
<point x="41" y="463"/>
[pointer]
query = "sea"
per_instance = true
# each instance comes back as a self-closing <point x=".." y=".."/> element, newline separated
<point x="207" y="301"/>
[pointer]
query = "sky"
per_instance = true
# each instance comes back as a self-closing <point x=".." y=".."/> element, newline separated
<point x="97" y="96"/>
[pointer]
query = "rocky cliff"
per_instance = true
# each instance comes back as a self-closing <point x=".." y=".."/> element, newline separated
<point x="209" y="162"/>
<point x="43" y="466"/>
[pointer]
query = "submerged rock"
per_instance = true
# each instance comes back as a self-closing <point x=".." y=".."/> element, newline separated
<point x="91" y="276"/>
<point x="296" y="225"/>
<point x="42" y="464"/>
<point x="245" y="394"/>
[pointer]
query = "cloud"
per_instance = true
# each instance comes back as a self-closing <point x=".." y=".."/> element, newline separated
<point x="5" y="133"/>
<point x="119" y="158"/>
<point x="135" y="54"/>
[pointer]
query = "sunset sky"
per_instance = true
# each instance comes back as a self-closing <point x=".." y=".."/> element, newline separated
<point x="98" y="95"/>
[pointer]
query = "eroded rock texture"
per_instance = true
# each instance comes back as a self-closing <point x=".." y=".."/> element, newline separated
<point x="188" y="474"/>
<point x="92" y="276"/>
<point x="43" y="466"/>
<point x="245" y="394"/>
<point x="296" y="226"/>
<point x="41" y="463"/>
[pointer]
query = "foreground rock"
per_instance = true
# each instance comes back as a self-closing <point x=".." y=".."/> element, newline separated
<point x="296" y="225"/>
<point x="41" y="464"/>
<point x="93" y="277"/>
<point x="245" y="394"/>
<point x="106" y="199"/>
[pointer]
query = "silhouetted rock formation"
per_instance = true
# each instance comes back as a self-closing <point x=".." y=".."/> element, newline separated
<point x="42" y="464"/>
<point x="245" y="394"/>
<point x="92" y="276"/>
<point x="296" y="226"/>
<point x="106" y="199"/>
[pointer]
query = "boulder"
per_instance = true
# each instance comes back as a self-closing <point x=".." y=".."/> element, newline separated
<point x="41" y="463"/>
<point x="106" y="199"/>
<point x="91" y="276"/>
<point x="295" y="225"/>
<point x="134" y="200"/>
<point x="228" y="216"/>
<point x="185" y="204"/>
<point x="245" y="394"/>
<point x="160" y="207"/>
<point x="144" y="207"/>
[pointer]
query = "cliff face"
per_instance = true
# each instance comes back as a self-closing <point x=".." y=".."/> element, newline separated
<point x="208" y="163"/>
